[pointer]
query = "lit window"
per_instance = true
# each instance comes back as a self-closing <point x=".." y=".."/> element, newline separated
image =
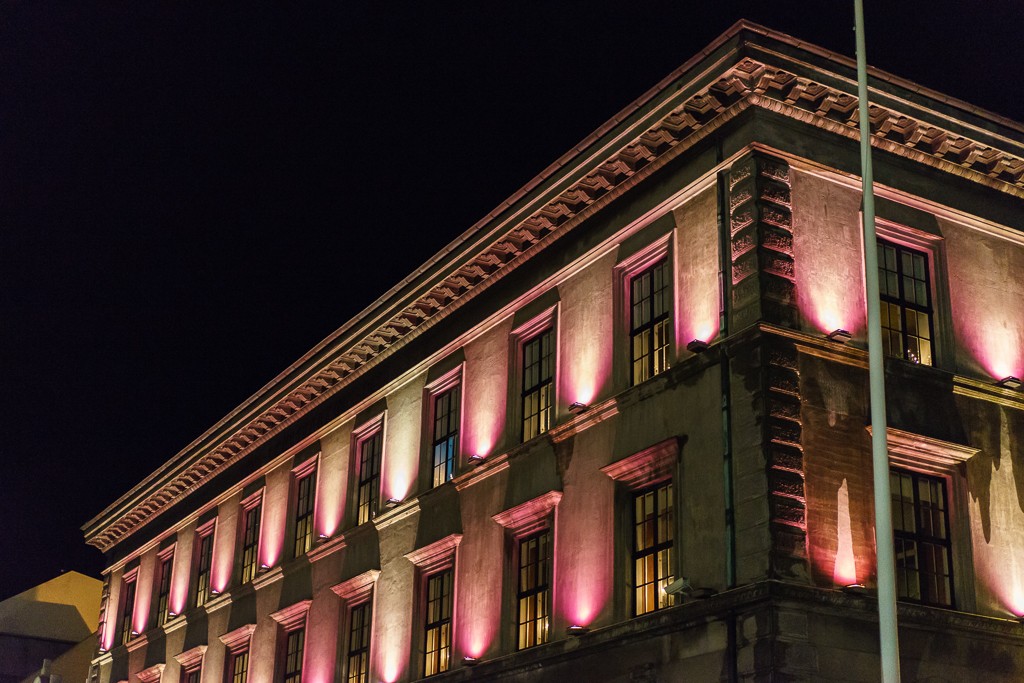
<point x="652" y="548"/>
<point x="163" y="592"/>
<point x="438" y="628"/>
<point x="650" y="297"/>
<point x="538" y="384"/>
<point x="190" y="676"/>
<point x="250" y="540"/>
<point x="204" y="561"/>
<point x="294" y="644"/>
<point x="369" y="477"/>
<point x="127" y="607"/>
<point x="238" y="667"/>
<point x="534" y="592"/>
<point x="906" y="305"/>
<point x="446" y="435"/>
<point x="305" y="499"/>
<point x="920" y="520"/>
<point x="360" y="619"/>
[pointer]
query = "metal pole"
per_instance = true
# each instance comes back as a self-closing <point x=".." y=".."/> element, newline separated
<point x="886" y="570"/>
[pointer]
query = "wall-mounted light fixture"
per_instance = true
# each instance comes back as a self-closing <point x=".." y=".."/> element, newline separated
<point x="1009" y="382"/>
<point x="697" y="346"/>
<point x="576" y="407"/>
<point x="576" y="630"/>
<point x="135" y="634"/>
<point x="321" y="538"/>
<point x="392" y="503"/>
<point x="470" y="661"/>
<point x="856" y="589"/>
<point x="476" y="460"/>
<point x="214" y="591"/>
<point x="171" y="614"/>
<point x="840" y="336"/>
<point x="264" y="567"/>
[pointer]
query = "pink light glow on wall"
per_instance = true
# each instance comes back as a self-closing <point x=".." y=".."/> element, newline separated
<point x="828" y="309"/>
<point x="587" y="367"/>
<point x="845" y="570"/>
<point x="390" y="665"/>
<point x="584" y="552"/>
<point x="484" y="396"/>
<point x="272" y="527"/>
<point x="143" y="600"/>
<point x="330" y="502"/>
<point x="994" y="341"/>
<point x="179" y="576"/>
<point x="223" y="555"/>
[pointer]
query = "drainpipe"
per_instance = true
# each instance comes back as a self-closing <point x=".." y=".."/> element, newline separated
<point x="724" y="268"/>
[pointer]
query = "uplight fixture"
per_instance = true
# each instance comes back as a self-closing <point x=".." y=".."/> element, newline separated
<point x="470" y="661"/>
<point x="1009" y="382"/>
<point x="576" y="630"/>
<point x="697" y="346"/>
<point x="392" y="503"/>
<point x="840" y="336"/>
<point x="476" y="460"/>
<point x="855" y="589"/>
<point x="576" y="407"/>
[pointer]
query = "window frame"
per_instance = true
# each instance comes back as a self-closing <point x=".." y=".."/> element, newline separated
<point x="648" y="469"/>
<point x="432" y="562"/>
<point x="355" y="593"/>
<point x="662" y="599"/>
<point x="904" y="307"/>
<point x="164" y="578"/>
<point x="920" y="539"/>
<point x="371" y="431"/>
<point x="248" y="505"/>
<point x="646" y="259"/>
<point x="303" y="520"/>
<point x="126" y="607"/>
<point x="200" y="594"/>
<point x="445" y="386"/>
<point x="237" y="643"/>
<point x="522" y="522"/>
<point x="191" y="663"/>
<point x="292" y="619"/>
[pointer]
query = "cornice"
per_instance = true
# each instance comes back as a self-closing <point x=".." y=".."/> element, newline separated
<point x="493" y="248"/>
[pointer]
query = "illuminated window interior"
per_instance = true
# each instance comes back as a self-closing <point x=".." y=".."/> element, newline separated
<point x="920" y="521"/>
<point x="204" y="560"/>
<point x="294" y="643"/>
<point x="905" y="290"/>
<point x="650" y="297"/>
<point x="127" y="607"/>
<point x="238" y="669"/>
<point x="305" y="499"/>
<point x="445" y="435"/>
<point x="538" y="384"/>
<point x="533" y="595"/>
<point x="163" y="594"/>
<point x="250" y="541"/>
<point x="369" y="477"/>
<point x="438" y="627"/>
<point x="360" y="620"/>
<point x="652" y="548"/>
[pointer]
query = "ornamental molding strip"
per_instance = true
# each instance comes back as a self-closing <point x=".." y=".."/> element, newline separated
<point x="152" y="674"/>
<point x="531" y="516"/>
<point x="480" y="258"/>
<point x="650" y="466"/>
<point x="293" y="616"/>
<point x="436" y="556"/>
<point x="358" y="587"/>
<point x="238" y="640"/>
<point x="192" y="658"/>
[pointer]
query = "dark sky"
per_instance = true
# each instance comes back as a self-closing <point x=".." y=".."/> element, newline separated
<point x="191" y="198"/>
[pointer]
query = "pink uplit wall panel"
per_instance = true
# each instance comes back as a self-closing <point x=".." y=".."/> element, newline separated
<point x="224" y="545"/>
<point x="332" y="480"/>
<point x="827" y="240"/>
<point x="996" y="486"/>
<point x="182" y="569"/>
<point x="584" y="538"/>
<point x="479" y="580"/>
<point x="144" y="592"/>
<point x="322" y="636"/>
<point x="402" y="439"/>
<point x="485" y="390"/>
<point x="987" y="302"/>
<point x="110" y="613"/>
<point x="697" y="264"/>
<point x="275" y="516"/>
<point x="394" y="595"/>
<point x="585" y="334"/>
<point x="845" y="571"/>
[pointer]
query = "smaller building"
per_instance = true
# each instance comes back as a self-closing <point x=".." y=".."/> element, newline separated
<point x="48" y="632"/>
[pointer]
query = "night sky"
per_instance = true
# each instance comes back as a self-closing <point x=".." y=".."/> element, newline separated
<point x="191" y="198"/>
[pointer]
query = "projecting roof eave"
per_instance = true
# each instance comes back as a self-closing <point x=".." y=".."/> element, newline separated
<point x="714" y="86"/>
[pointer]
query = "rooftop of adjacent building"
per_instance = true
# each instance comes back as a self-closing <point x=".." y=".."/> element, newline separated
<point x="65" y="608"/>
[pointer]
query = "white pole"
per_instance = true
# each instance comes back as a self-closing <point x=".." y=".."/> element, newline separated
<point x="886" y="570"/>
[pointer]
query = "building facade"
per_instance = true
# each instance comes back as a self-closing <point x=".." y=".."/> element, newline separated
<point x="619" y="431"/>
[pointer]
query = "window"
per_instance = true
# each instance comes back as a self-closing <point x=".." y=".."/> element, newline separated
<point x="652" y="548"/>
<point x="360" y="619"/>
<point x="538" y="387"/>
<point x="920" y="521"/>
<point x="238" y="666"/>
<point x="191" y="662"/>
<point x="533" y="595"/>
<point x="127" y="608"/>
<point x="251" y="512"/>
<point x="190" y="676"/>
<point x="163" y="592"/>
<point x="906" y="305"/>
<point x="368" y="494"/>
<point x="438" y="627"/>
<point x="204" y="561"/>
<point x="650" y="298"/>
<point x="445" y="435"/>
<point x="294" y="643"/>
<point x="305" y="500"/>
